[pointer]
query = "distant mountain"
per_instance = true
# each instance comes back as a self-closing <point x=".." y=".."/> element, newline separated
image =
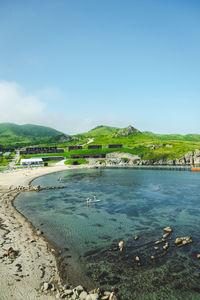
<point x="174" y="137"/>
<point x="12" y="134"/>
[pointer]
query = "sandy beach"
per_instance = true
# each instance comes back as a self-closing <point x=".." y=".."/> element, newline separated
<point x="35" y="264"/>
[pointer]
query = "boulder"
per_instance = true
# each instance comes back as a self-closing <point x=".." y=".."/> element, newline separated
<point x="92" y="297"/>
<point x="167" y="229"/>
<point x="46" y="286"/>
<point x="181" y="241"/>
<point x="83" y="295"/>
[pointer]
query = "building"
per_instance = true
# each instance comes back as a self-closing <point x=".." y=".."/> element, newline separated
<point x="32" y="162"/>
<point x="74" y="148"/>
<point x="115" y="146"/>
<point x="40" y="150"/>
<point x="97" y="155"/>
<point x="95" y="147"/>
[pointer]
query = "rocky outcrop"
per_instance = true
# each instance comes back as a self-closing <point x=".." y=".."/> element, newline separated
<point x="127" y="159"/>
<point x="126" y="131"/>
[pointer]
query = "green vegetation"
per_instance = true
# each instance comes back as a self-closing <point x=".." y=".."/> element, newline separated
<point x="81" y="161"/>
<point x="12" y="135"/>
<point x="169" y="146"/>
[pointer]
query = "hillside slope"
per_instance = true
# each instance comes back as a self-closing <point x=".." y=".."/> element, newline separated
<point x="12" y="134"/>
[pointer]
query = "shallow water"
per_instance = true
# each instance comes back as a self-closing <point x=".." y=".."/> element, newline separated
<point x="133" y="202"/>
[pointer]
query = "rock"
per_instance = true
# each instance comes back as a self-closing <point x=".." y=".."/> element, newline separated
<point x="198" y="255"/>
<point x="157" y="242"/>
<point x="137" y="258"/>
<point x="152" y="257"/>
<point x="126" y="131"/>
<point x="79" y="288"/>
<point x="46" y="286"/>
<point x="166" y="246"/>
<point x="166" y="235"/>
<point x="68" y="292"/>
<point x="105" y="298"/>
<point x="38" y="232"/>
<point x="83" y="295"/>
<point x="136" y="237"/>
<point x="107" y="293"/>
<point x="156" y="248"/>
<point x="92" y="297"/>
<point x="181" y="241"/>
<point x="167" y="229"/>
<point x="58" y="295"/>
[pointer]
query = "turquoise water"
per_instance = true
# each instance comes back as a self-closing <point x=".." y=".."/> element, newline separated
<point x="133" y="202"/>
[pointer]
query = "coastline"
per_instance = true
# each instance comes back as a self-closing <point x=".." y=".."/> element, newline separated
<point x="36" y="262"/>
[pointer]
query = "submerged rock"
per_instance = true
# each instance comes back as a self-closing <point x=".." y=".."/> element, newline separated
<point x="181" y="241"/>
<point x="167" y="229"/>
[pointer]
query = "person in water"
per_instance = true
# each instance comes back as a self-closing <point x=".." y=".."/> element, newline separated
<point x="95" y="197"/>
<point x="121" y="245"/>
<point x="112" y="294"/>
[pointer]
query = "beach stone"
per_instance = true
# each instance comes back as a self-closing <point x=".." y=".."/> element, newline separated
<point x="58" y="296"/>
<point x="92" y="297"/>
<point x="68" y="292"/>
<point x="83" y="295"/>
<point x="107" y="293"/>
<point x="105" y="298"/>
<point x="66" y="287"/>
<point x="46" y="286"/>
<point x="198" y="255"/>
<point x="38" y="232"/>
<point x="136" y="237"/>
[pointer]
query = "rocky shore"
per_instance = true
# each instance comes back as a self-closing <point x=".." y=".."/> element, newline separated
<point x="127" y="159"/>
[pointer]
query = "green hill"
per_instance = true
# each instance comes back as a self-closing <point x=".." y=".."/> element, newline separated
<point x="20" y="135"/>
<point x="100" y="131"/>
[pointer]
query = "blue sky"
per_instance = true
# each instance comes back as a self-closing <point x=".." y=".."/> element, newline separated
<point x="73" y="65"/>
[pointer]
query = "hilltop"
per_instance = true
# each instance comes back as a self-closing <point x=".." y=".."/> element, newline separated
<point x="21" y="135"/>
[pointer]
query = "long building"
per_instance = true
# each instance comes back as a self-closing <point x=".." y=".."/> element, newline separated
<point x="115" y="146"/>
<point x="97" y="155"/>
<point x="40" y="150"/>
<point x="74" y="148"/>
<point x="95" y="147"/>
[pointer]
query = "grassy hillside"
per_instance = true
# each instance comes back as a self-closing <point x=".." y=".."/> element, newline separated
<point x="21" y="135"/>
<point x="139" y="143"/>
<point x="148" y="145"/>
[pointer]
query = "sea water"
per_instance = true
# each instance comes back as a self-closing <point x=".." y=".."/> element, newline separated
<point x="132" y="203"/>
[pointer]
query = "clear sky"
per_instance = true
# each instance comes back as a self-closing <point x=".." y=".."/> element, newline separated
<point x="76" y="64"/>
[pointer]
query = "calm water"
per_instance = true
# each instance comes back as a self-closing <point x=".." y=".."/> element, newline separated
<point x="133" y="202"/>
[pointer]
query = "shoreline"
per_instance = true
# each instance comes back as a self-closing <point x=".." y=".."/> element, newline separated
<point x="37" y="260"/>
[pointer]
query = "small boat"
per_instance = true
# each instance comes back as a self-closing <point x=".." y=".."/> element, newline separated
<point x="195" y="169"/>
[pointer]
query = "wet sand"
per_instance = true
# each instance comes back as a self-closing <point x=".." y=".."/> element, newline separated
<point x="22" y="277"/>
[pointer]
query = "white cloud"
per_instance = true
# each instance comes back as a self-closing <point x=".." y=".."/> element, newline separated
<point x="17" y="106"/>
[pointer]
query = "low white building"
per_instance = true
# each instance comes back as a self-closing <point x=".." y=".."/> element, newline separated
<point x="32" y="161"/>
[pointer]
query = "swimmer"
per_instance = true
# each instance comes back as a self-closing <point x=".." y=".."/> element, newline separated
<point x="112" y="295"/>
<point x="121" y="245"/>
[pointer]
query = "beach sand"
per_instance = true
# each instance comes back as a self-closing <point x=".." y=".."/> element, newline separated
<point x="22" y="277"/>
